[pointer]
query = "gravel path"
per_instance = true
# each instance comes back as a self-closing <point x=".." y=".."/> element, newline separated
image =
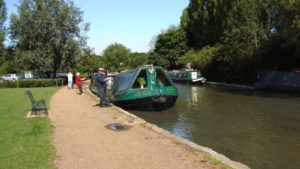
<point x="83" y="142"/>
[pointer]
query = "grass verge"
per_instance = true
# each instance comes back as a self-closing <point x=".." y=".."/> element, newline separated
<point x="25" y="143"/>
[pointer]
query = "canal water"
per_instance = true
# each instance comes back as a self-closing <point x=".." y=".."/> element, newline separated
<point x="258" y="129"/>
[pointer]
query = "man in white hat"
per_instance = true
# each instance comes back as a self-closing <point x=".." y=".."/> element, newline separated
<point x="70" y="80"/>
<point x="102" y="88"/>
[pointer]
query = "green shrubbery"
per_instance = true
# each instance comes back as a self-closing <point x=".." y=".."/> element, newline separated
<point x="33" y="83"/>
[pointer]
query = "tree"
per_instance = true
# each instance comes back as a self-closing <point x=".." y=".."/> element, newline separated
<point x="2" y="30"/>
<point x="199" y="59"/>
<point x="116" y="57"/>
<point x="282" y="49"/>
<point x="137" y="59"/>
<point x="171" y="45"/>
<point x="156" y="59"/>
<point x="206" y="21"/>
<point x="240" y="40"/>
<point x="184" y="20"/>
<point x="89" y="62"/>
<point x="48" y="35"/>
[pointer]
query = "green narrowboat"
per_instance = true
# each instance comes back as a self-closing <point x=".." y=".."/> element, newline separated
<point x="145" y="88"/>
<point x="187" y="76"/>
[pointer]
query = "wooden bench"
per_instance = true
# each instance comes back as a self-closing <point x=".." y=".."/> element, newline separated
<point x="38" y="106"/>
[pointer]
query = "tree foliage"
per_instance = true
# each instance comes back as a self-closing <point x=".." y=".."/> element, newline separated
<point x="137" y="59"/>
<point x="199" y="59"/>
<point x="170" y="45"/>
<point x="206" y="21"/>
<point x="2" y="23"/>
<point x="2" y="30"/>
<point x="89" y="62"/>
<point x="116" y="57"/>
<point x="249" y="36"/>
<point x="48" y="34"/>
<point x="156" y="59"/>
<point x="282" y="49"/>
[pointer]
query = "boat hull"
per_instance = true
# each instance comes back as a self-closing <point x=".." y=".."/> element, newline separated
<point x="279" y="81"/>
<point x="187" y="77"/>
<point x="152" y="103"/>
<point x="191" y="82"/>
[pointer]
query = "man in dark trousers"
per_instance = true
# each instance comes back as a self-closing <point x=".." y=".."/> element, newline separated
<point x="102" y="88"/>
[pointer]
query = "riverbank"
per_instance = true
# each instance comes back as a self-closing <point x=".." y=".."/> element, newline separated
<point x="232" y="86"/>
<point x="83" y="141"/>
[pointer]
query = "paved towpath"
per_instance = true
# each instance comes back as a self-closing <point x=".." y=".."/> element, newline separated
<point x="83" y="142"/>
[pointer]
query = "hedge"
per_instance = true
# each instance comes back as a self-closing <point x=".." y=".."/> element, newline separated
<point x="33" y="83"/>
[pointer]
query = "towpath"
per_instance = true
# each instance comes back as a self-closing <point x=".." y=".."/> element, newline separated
<point x="83" y="142"/>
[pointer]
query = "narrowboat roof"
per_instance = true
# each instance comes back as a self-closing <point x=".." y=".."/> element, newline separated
<point x="122" y="81"/>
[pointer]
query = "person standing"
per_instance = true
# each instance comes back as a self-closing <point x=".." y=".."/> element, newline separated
<point x="109" y="84"/>
<point x="79" y="82"/>
<point x="70" y="80"/>
<point x="102" y="88"/>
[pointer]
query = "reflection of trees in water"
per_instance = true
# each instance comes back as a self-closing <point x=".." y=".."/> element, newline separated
<point x="187" y="102"/>
<point x="182" y="129"/>
<point x="194" y="95"/>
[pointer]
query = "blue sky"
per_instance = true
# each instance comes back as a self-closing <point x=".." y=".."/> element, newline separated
<point x="133" y="23"/>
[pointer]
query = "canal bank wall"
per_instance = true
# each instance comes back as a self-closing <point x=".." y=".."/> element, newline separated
<point x="179" y="140"/>
<point x="231" y="86"/>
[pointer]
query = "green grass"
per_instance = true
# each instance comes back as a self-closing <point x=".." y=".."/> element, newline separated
<point x="24" y="143"/>
<point x="215" y="162"/>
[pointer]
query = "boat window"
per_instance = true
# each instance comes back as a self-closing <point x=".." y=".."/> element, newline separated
<point x="143" y="74"/>
<point x="122" y="82"/>
<point x="161" y="79"/>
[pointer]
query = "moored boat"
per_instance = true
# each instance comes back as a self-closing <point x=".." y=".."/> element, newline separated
<point x="158" y="92"/>
<point x="187" y="76"/>
<point x="145" y="88"/>
<point x="282" y="81"/>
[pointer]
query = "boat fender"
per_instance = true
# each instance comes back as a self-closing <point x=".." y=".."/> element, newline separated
<point x="159" y="100"/>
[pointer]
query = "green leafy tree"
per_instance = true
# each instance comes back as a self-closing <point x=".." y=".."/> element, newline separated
<point x="137" y="59"/>
<point x="116" y="57"/>
<point x="249" y="36"/>
<point x="2" y="30"/>
<point x="205" y="21"/>
<point x="184" y="19"/>
<point x="158" y="60"/>
<point x="282" y="50"/>
<point x="171" y="45"/>
<point x="239" y="43"/>
<point x="236" y="28"/>
<point x="89" y="62"/>
<point x="201" y="59"/>
<point x="48" y="35"/>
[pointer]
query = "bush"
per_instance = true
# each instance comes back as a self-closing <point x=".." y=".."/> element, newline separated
<point x="13" y="84"/>
<point x="199" y="59"/>
<point x="33" y="83"/>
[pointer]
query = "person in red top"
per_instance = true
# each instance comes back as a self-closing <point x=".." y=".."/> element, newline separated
<point x="78" y="82"/>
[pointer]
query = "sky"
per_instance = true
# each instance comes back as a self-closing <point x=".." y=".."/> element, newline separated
<point x="133" y="23"/>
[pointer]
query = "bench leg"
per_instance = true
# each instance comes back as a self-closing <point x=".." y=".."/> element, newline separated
<point x="33" y="112"/>
<point x="46" y="112"/>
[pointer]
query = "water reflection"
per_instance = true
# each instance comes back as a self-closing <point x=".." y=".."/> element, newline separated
<point x="194" y="95"/>
<point x="260" y="130"/>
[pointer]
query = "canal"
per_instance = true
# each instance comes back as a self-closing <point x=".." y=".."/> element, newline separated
<point x="258" y="129"/>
